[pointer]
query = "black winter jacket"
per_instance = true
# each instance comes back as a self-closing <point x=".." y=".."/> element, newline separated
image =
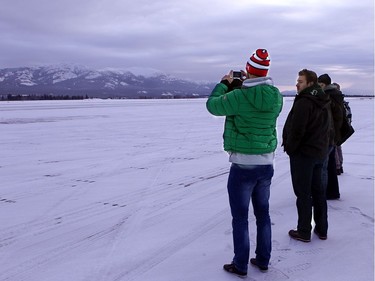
<point x="308" y="127"/>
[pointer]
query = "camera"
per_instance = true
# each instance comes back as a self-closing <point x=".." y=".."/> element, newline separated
<point x="237" y="75"/>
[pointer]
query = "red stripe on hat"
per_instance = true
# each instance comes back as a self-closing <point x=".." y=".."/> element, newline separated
<point x="261" y="62"/>
<point x="256" y="71"/>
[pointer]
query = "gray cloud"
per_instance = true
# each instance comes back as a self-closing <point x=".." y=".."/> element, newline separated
<point x="196" y="40"/>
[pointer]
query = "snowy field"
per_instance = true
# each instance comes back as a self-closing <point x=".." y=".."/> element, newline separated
<point x="110" y="190"/>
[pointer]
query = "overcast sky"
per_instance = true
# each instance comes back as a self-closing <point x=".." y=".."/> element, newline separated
<point x="198" y="40"/>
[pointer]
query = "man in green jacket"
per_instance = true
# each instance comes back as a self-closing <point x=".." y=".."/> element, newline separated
<point x="251" y="105"/>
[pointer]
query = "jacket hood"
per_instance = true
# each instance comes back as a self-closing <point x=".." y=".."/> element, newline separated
<point x="316" y="94"/>
<point x="332" y="90"/>
<point x="257" y="81"/>
<point x="330" y="87"/>
<point x="261" y="93"/>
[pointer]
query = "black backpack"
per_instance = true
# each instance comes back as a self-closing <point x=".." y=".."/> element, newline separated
<point x="347" y="129"/>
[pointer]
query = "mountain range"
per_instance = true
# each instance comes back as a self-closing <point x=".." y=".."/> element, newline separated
<point x="78" y="80"/>
<point x="75" y="80"/>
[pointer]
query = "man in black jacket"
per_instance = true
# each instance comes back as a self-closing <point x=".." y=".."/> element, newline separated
<point x="306" y="135"/>
<point x="330" y="181"/>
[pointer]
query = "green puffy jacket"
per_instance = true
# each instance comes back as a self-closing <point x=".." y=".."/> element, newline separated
<point x="251" y="112"/>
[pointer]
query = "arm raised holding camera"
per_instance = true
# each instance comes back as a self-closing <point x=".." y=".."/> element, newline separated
<point x="250" y="138"/>
<point x="234" y="79"/>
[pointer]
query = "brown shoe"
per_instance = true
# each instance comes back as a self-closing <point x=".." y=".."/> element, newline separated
<point x="295" y="235"/>
<point x="253" y="261"/>
<point x="231" y="268"/>
<point x="320" y="235"/>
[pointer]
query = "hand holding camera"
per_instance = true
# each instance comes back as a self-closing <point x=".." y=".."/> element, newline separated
<point x="234" y="79"/>
<point x="235" y="75"/>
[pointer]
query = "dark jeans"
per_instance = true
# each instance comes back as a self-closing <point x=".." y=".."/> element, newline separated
<point x="307" y="181"/>
<point x="325" y="168"/>
<point x="333" y="190"/>
<point x="252" y="182"/>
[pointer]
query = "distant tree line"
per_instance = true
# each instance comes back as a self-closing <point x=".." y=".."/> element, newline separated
<point x="12" y="97"/>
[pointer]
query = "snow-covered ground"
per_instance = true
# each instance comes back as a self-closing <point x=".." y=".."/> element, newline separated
<point x="105" y="190"/>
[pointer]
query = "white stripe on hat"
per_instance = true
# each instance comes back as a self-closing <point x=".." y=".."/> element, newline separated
<point x="260" y="59"/>
<point x="256" y="65"/>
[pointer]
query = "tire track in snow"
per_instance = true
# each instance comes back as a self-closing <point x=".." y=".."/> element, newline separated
<point x="51" y="223"/>
<point x="82" y="239"/>
<point x="38" y="230"/>
<point x="37" y="227"/>
<point x="172" y="247"/>
<point x="153" y="216"/>
<point x="12" y="234"/>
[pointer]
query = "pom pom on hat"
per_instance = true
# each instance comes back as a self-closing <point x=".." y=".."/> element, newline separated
<point x="259" y="63"/>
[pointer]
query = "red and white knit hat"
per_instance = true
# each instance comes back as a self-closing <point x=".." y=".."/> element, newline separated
<point x="259" y="63"/>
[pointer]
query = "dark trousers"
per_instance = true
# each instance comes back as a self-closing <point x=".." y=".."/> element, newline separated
<point x="333" y="191"/>
<point x="306" y="175"/>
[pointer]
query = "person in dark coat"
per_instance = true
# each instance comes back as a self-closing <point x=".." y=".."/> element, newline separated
<point x="306" y="136"/>
<point x="330" y="179"/>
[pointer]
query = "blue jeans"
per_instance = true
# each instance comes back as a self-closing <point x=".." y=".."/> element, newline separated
<point x="252" y="182"/>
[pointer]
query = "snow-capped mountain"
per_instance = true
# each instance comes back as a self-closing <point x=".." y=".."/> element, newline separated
<point x="67" y="79"/>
